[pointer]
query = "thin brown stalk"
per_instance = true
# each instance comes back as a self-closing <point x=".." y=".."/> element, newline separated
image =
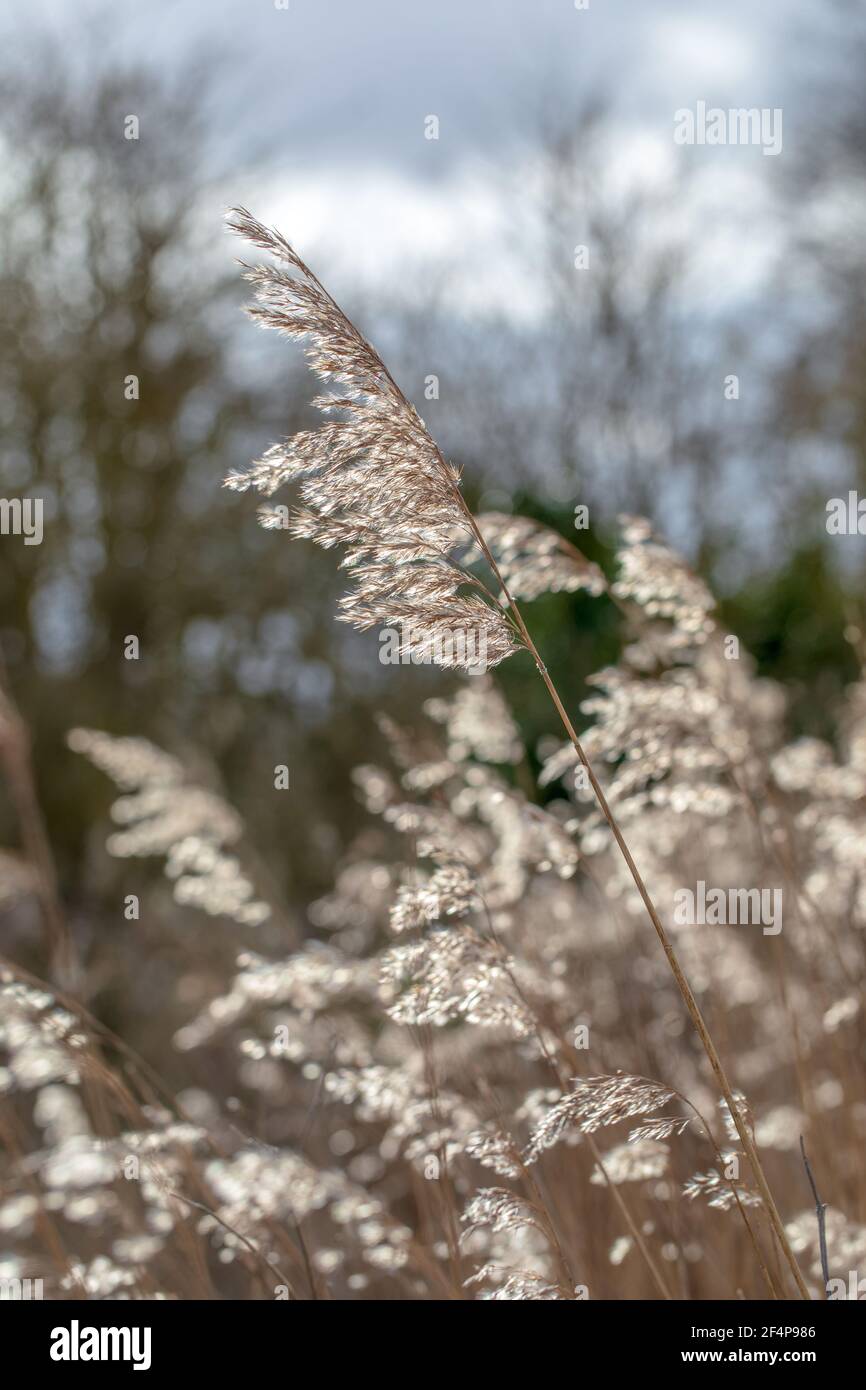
<point x="561" y="1083"/>
<point x="18" y="766"/>
<point x="444" y="1187"/>
<point x="630" y="1221"/>
<point x="768" y="1278"/>
<point x="259" y="1254"/>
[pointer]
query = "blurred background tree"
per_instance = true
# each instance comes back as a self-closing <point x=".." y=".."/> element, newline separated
<point x="112" y="266"/>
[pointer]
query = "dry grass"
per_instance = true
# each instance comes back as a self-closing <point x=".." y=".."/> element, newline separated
<point x="483" y="1076"/>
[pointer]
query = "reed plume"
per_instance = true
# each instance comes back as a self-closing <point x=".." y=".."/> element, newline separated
<point x="375" y="482"/>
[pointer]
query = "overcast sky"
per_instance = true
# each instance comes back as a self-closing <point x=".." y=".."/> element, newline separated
<point x="352" y="77"/>
<point x="320" y="116"/>
<point x="318" y="113"/>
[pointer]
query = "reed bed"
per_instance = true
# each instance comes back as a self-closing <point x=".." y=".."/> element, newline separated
<point x="505" y="1063"/>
